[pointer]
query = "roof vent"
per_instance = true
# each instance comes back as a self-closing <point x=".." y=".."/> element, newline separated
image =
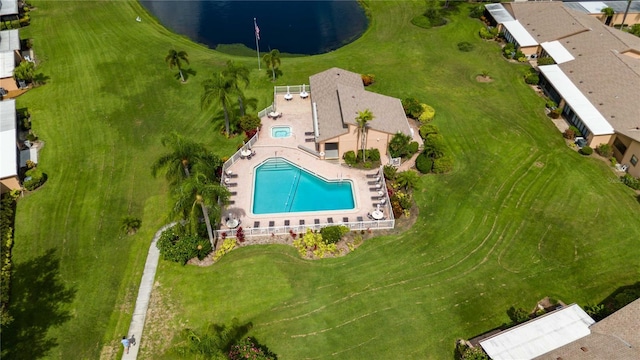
<point x="581" y="81"/>
<point x="590" y="92"/>
<point x="613" y="116"/>
<point x="601" y="104"/>
<point x="584" y="349"/>
<point x="579" y="54"/>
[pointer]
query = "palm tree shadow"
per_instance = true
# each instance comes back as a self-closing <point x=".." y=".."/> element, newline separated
<point x="188" y="73"/>
<point x="38" y="301"/>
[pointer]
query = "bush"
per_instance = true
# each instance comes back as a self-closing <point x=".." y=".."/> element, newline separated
<point x="399" y="145"/>
<point x="630" y="181"/>
<point x="546" y="60"/>
<point x="177" y="247"/>
<point x="605" y="150"/>
<point x="465" y="46"/>
<point x="130" y="224"/>
<point x="368" y="79"/>
<point x="586" y="150"/>
<point x="389" y="172"/>
<point x="442" y="165"/>
<point x="434" y="146"/>
<point x="569" y="134"/>
<point x="555" y="113"/>
<point x="532" y="79"/>
<point x="424" y="164"/>
<point x="250" y="348"/>
<point x="250" y="123"/>
<point x="427" y="129"/>
<point x="227" y="245"/>
<point x="7" y="219"/>
<point x="485" y="33"/>
<point x="412" y="107"/>
<point x="24" y="71"/>
<point x="34" y="178"/>
<point x="349" y="157"/>
<point x="428" y="113"/>
<point x="412" y="148"/>
<point x="575" y="130"/>
<point x="476" y="12"/>
<point x="518" y="315"/>
<point x="373" y="154"/>
<point x="333" y="234"/>
<point x="509" y="51"/>
<point x="550" y="104"/>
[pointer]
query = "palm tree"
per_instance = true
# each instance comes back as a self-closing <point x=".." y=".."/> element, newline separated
<point x="219" y="89"/>
<point x="176" y="164"/>
<point x="362" y="119"/>
<point x="407" y="179"/>
<point x="175" y="59"/>
<point x="272" y="60"/>
<point x="198" y="196"/>
<point x="608" y="12"/>
<point x="237" y="73"/>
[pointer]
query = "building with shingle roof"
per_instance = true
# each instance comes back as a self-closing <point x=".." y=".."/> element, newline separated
<point x="596" y="75"/>
<point x="338" y="96"/>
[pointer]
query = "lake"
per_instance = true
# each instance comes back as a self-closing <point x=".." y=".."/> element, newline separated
<point x="296" y="27"/>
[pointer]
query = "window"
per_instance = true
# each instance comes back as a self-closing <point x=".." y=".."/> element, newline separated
<point x="634" y="160"/>
<point x="620" y="146"/>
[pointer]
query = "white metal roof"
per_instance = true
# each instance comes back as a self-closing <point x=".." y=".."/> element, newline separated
<point x="8" y="7"/>
<point x="558" y="52"/>
<point x="8" y="148"/>
<point x="7" y="64"/>
<point x="9" y="40"/>
<point x="539" y="336"/>
<point x="588" y="113"/>
<point x="593" y="7"/>
<point x="499" y="13"/>
<point x="519" y="33"/>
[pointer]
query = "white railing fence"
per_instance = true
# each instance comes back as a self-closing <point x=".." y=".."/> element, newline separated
<point x="298" y="229"/>
<point x="236" y="156"/>
<point x="291" y="89"/>
<point x="264" y="112"/>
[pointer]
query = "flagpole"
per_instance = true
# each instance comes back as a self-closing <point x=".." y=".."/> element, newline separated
<point x="257" y="34"/>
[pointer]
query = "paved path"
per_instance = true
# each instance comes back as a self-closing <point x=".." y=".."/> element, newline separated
<point x="144" y="294"/>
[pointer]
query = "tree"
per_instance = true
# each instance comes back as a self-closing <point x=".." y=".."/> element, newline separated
<point x="518" y="315"/>
<point x="177" y="163"/>
<point x="362" y="119"/>
<point x="272" y="60"/>
<point x="407" y="179"/>
<point x="24" y="71"/>
<point x="197" y="196"/>
<point x="219" y="89"/>
<point x="608" y="12"/>
<point x="175" y="59"/>
<point x="398" y="146"/>
<point x="237" y="73"/>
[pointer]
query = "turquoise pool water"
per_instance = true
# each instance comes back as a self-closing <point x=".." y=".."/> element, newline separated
<point x="281" y="187"/>
<point x="282" y="131"/>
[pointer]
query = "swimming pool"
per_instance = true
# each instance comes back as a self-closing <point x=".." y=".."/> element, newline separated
<point x="281" y="131"/>
<point x="282" y="187"/>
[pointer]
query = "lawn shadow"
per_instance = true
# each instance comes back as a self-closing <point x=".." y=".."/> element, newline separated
<point x="40" y="79"/>
<point x="621" y="297"/>
<point x="186" y="73"/>
<point x="38" y="302"/>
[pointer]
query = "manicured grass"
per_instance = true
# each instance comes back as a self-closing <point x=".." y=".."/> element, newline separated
<point x="521" y="217"/>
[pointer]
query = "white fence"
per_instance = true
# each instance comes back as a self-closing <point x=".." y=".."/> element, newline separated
<point x="281" y="229"/>
<point x="236" y="156"/>
<point x="291" y="89"/>
<point x="267" y="110"/>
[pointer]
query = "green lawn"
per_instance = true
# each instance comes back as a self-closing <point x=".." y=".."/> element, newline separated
<point x="521" y="217"/>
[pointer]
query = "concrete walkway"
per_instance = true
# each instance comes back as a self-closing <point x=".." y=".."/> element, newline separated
<point x="144" y="294"/>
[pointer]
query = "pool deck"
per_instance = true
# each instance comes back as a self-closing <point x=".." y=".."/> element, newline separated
<point x="297" y="114"/>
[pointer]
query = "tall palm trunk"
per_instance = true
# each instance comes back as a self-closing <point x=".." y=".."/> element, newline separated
<point x="241" y="104"/>
<point x="185" y="165"/>
<point x="363" y="143"/>
<point x="226" y="119"/>
<point x="207" y="222"/>
<point x="180" y="71"/>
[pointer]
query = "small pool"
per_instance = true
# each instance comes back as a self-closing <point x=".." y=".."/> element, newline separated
<point x="282" y="187"/>
<point x="280" y="131"/>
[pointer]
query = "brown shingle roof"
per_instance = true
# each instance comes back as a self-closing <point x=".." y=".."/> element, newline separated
<point x="615" y="337"/>
<point x="339" y="96"/>
<point x="545" y="21"/>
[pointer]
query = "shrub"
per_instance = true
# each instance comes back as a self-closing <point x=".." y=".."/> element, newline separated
<point x="368" y="79"/>
<point x="428" y="113"/>
<point x="399" y="145"/>
<point x="569" y="134"/>
<point x="605" y="150"/>
<point x="518" y="315"/>
<point x="442" y="165"/>
<point x="485" y="33"/>
<point x="333" y="234"/>
<point x="546" y="60"/>
<point x="250" y="122"/>
<point x="250" y="348"/>
<point x="575" y="130"/>
<point x="532" y="79"/>
<point x="130" y="224"/>
<point x="427" y="129"/>
<point x="586" y="150"/>
<point x="240" y="234"/>
<point x="476" y="11"/>
<point x="412" y="107"/>
<point x="424" y="163"/>
<point x="25" y="71"/>
<point x="7" y="213"/>
<point x="555" y="113"/>
<point x="434" y="146"/>
<point x="630" y="181"/>
<point x="34" y="179"/>
<point x="373" y="154"/>
<point x="177" y="247"/>
<point x="227" y="245"/>
<point x="349" y="157"/>
<point x="551" y="104"/>
<point x="509" y="51"/>
<point x="519" y="54"/>
<point x="412" y="148"/>
<point x="465" y="46"/>
<point x="389" y="172"/>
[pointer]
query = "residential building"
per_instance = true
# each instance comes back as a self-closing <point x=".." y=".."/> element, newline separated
<point x="8" y="147"/>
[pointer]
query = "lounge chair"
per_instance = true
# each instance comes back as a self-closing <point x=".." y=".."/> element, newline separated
<point x="360" y="219"/>
<point x="231" y="184"/>
<point x="374" y="189"/>
<point x="272" y="224"/>
<point x="308" y="133"/>
<point x="231" y="202"/>
<point x="316" y="221"/>
<point x="301" y="221"/>
<point x="286" y="223"/>
<point x="309" y="140"/>
<point x="370" y="216"/>
<point x="345" y="219"/>
<point x="256" y="224"/>
<point x="373" y="182"/>
<point x="373" y="176"/>
<point x="232" y="175"/>
<point x="330" y="220"/>
<point x="376" y="197"/>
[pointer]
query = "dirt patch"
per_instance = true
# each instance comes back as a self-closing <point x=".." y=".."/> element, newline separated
<point x="484" y="79"/>
<point x="538" y="164"/>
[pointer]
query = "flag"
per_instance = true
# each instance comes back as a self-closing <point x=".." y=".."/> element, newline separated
<point x="257" y="29"/>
